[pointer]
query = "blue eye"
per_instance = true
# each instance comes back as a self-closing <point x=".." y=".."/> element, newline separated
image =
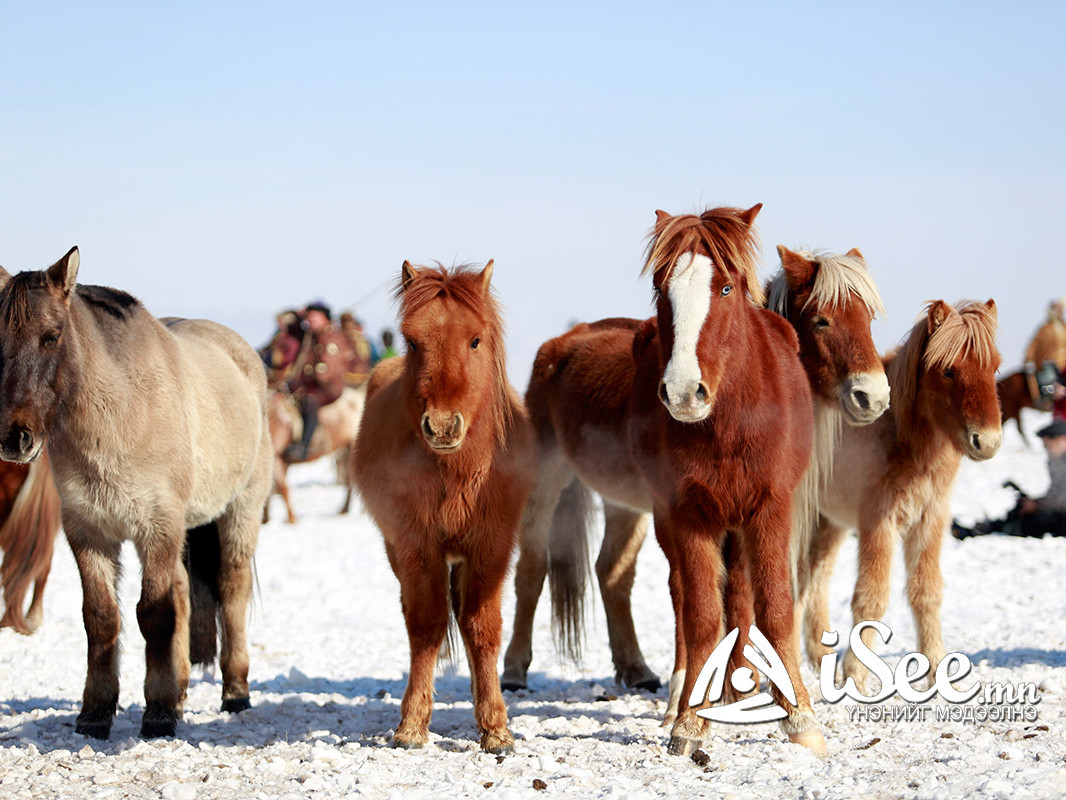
<point x="726" y="290"/>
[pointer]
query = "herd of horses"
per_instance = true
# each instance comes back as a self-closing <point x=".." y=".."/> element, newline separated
<point x="752" y="425"/>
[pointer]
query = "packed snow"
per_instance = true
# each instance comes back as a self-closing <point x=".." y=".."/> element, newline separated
<point x="329" y="659"/>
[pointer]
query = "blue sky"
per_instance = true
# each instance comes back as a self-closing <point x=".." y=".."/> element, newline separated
<point x="231" y="159"/>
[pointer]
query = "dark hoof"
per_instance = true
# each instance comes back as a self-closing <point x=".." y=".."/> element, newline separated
<point x="94" y="728"/>
<point x="512" y="686"/>
<point x="650" y="685"/>
<point x="158" y="728"/>
<point x="405" y="744"/>
<point x="236" y="704"/>
<point x="681" y="746"/>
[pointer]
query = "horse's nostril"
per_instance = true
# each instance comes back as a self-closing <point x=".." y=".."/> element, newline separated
<point x="25" y="440"/>
<point x="975" y="440"/>
<point x="862" y="399"/>
<point x="427" y="429"/>
<point x="703" y="394"/>
<point x="662" y="392"/>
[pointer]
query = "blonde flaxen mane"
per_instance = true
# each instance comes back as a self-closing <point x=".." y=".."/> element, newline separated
<point x="837" y="277"/>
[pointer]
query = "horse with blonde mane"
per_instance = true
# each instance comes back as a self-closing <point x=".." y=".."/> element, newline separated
<point x="830" y="301"/>
<point x="29" y="508"/>
<point x="892" y="480"/>
<point x="443" y="462"/>
<point x="651" y="415"/>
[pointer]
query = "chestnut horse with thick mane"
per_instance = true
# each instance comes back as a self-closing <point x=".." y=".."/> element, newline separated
<point x="157" y="434"/>
<point x="444" y="462"/>
<point x="29" y="508"/>
<point x="703" y="414"/>
<point x="892" y="480"/>
<point x="830" y="300"/>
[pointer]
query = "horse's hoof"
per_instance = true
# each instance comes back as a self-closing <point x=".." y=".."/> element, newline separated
<point x="683" y="746"/>
<point x="406" y="744"/>
<point x="498" y="744"/>
<point x="95" y="729"/>
<point x="512" y="684"/>
<point x="812" y="740"/>
<point x="158" y="728"/>
<point x="652" y="685"/>
<point x="235" y="705"/>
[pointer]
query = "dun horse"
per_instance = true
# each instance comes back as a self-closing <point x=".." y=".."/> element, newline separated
<point x="651" y="415"/>
<point x="892" y="479"/>
<point x="157" y="433"/>
<point x="443" y="463"/>
<point x="29" y="507"/>
<point x="830" y="301"/>
<point x="338" y="424"/>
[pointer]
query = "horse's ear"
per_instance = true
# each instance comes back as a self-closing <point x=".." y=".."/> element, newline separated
<point x="660" y="216"/>
<point x="5" y="276"/>
<point x="855" y="253"/>
<point x="799" y="271"/>
<point x="749" y="216"/>
<point x="407" y="275"/>
<point x="991" y="306"/>
<point x="63" y="274"/>
<point x="486" y="277"/>
<point x="938" y="312"/>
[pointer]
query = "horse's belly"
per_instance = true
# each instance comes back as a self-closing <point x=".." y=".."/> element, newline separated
<point x="602" y="460"/>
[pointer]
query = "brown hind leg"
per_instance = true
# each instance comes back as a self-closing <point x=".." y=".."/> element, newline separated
<point x="424" y="597"/>
<point x="767" y="547"/>
<point x="98" y="565"/>
<point x="822" y="554"/>
<point x="281" y="484"/>
<point x="870" y="600"/>
<point x="163" y="616"/>
<point x="35" y="613"/>
<point x="532" y="567"/>
<point x="616" y="568"/>
<point x="925" y="583"/>
<point x="480" y="624"/>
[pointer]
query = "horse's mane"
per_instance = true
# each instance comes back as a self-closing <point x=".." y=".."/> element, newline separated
<point x="968" y="331"/>
<point x="464" y="285"/>
<point x="731" y="242"/>
<point x="16" y="309"/>
<point x="837" y="276"/>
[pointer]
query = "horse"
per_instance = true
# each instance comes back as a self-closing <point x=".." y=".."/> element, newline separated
<point x="157" y="433"/>
<point x="830" y="300"/>
<point x="892" y="479"/>
<point x="29" y="507"/>
<point x="653" y="414"/>
<point x="338" y="424"/>
<point x="444" y="462"/>
<point x="1015" y="393"/>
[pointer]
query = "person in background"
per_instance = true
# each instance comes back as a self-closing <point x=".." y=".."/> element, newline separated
<point x="1034" y="517"/>
<point x="283" y="351"/>
<point x="321" y="379"/>
<point x="363" y="355"/>
<point x="1045" y="357"/>
<point x="388" y="351"/>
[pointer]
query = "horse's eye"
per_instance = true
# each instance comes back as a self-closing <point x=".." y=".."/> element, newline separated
<point x="475" y="343"/>
<point x="657" y="291"/>
<point x="411" y="346"/>
<point x="821" y="322"/>
<point x="50" y="339"/>
<point x="949" y="373"/>
<point x="726" y="290"/>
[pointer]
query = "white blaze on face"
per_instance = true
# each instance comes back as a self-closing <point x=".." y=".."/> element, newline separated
<point x="690" y="298"/>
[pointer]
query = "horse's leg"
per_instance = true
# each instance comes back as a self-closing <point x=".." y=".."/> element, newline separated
<point x="925" y="582"/>
<point x="870" y="600"/>
<point x="697" y="562"/>
<point x="739" y="604"/>
<point x="98" y="565"/>
<point x="821" y="558"/>
<point x="532" y="566"/>
<point x="281" y="483"/>
<point x="35" y="614"/>
<point x="163" y="616"/>
<point x="480" y="624"/>
<point x="425" y="602"/>
<point x="767" y="548"/>
<point x="616" y="568"/>
<point x="664" y="535"/>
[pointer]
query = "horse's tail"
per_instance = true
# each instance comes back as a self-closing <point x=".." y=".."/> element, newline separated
<point x="203" y="557"/>
<point x="827" y="426"/>
<point x="448" y="657"/>
<point x="568" y="566"/>
<point x="27" y="538"/>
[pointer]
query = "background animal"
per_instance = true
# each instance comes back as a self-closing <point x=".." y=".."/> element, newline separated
<point x="1014" y="394"/>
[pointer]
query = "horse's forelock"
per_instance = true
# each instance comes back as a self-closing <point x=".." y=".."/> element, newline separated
<point x="970" y="333"/>
<point x="15" y="307"/>
<point x="728" y="239"/>
<point x="841" y="275"/>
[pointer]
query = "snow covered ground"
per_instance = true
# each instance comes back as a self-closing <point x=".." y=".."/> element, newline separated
<point x="329" y="656"/>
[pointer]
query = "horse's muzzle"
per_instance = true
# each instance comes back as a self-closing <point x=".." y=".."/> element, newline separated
<point x="864" y="397"/>
<point x="443" y="430"/>
<point x="691" y="404"/>
<point x="981" y="444"/>
<point x="20" y="445"/>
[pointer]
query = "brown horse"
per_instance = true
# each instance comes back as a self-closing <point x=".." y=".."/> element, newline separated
<point x="1015" y="393"/>
<point x="338" y="424"/>
<point x="830" y="300"/>
<point x="892" y="480"/>
<point x="157" y="434"/>
<point x="443" y="462"/>
<point x="29" y="506"/>
<point x="654" y="415"/>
